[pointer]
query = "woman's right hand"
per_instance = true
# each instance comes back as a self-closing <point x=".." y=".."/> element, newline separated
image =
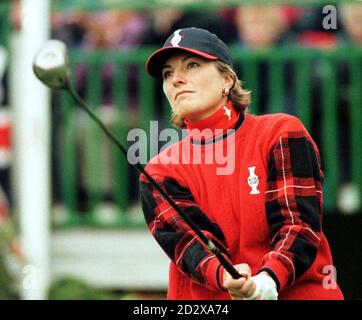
<point x="241" y="288"/>
<point x="258" y="287"/>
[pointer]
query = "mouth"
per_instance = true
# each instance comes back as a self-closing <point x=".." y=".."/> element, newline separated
<point x="182" y="92"/>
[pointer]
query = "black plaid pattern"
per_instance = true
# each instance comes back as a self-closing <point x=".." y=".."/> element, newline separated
<point x="294" y="202"/>
<point x="172" y="233"/>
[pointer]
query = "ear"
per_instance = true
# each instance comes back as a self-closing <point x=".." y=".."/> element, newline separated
<point x="229" y="80"/>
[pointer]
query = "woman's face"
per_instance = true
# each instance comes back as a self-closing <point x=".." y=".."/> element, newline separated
<point x="194" y="86"/>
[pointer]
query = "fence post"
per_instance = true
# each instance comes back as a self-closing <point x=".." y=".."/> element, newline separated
<point x="30" y="102"/>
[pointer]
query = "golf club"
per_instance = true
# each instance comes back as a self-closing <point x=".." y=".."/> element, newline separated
<point x="51" y="67"/>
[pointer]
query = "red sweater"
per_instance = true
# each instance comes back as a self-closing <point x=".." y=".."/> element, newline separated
<point x="265" y="209"/>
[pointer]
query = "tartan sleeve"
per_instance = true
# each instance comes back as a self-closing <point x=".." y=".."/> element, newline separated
<point x="176" y="238"/>
<point x="293" y="207"/>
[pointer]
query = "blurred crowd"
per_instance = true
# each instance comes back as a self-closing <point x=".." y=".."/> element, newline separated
<point x="253" y="26"/>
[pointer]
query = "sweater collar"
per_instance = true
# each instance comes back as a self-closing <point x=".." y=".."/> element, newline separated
<point x="215" y="125"/>
<point x="225" y="118"/>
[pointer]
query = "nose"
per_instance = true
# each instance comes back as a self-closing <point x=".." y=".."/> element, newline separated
<point x="178" y="79"/>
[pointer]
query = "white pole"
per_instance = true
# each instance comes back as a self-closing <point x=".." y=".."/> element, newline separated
<point x="31" y="112"/>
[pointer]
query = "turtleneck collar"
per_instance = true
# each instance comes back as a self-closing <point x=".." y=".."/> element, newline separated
<point x="215" y="125"/>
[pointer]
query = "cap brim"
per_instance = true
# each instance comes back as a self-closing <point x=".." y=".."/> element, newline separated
<point x="157" y="58"/>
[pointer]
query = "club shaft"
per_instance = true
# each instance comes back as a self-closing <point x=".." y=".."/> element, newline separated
<point x="209" y="244"/>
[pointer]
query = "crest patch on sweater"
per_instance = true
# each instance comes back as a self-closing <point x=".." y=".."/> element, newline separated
<point x="253" y="181"/>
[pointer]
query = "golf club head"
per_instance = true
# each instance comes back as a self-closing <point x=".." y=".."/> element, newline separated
<point x="51" y="65"/>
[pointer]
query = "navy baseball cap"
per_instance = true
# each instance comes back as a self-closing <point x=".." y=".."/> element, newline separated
<point x="200" y="42"/>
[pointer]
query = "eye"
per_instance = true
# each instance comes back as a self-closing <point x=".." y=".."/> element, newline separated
<point x="166" y="74"/>
<point x="192" y="64"/>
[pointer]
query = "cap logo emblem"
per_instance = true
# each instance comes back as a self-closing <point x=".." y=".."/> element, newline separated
<point x="176" y="39"/>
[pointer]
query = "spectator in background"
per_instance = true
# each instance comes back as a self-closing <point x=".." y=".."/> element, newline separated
<point x="5" y="150"/>
<point x="115" y="29"/>
<point x="310" y="33"/>
<point x="351" y="19"/>
<point x="5" y="127"/>
<point x="263" y="27"/>
<point x="69" y="27"/>
<point x="110" y="30"/>
<point x="160" y="23"/>
<point x="9" y="247"/>
<point x="260" y="26"/>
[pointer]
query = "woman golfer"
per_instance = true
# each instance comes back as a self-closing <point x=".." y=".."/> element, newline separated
<point x="264" y="212"/>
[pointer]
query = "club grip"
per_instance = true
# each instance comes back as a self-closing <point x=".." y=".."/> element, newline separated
<point x="229" y="267"/>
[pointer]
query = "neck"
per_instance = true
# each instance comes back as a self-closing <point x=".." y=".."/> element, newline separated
<point x="217" y="123"/>
<point x="209" y="113"/>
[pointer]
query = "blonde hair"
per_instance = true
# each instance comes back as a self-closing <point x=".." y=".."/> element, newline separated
<point x="239" y="97"/>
